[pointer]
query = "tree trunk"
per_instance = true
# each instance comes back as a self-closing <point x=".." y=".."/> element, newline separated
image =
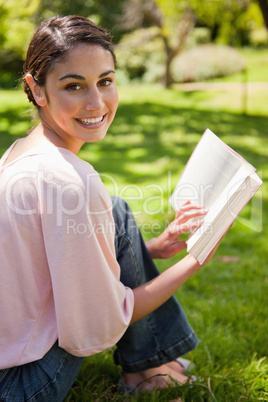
<point x="168" y="79"/>
<point x="264" y="9"/>
<point x="185" y="26"/>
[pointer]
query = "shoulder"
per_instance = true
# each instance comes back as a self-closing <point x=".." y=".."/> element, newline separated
<point x="64" y="164"/>
<point x="61" y="168"/>
<point x="73" y="181"/>
<point x="58" y="174"/>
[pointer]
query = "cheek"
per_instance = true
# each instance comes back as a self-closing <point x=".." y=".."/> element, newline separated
<point x="113" y="100"/>
<point x="63" y="106"/>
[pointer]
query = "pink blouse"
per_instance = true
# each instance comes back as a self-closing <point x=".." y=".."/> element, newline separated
<point x="59" y="278"/>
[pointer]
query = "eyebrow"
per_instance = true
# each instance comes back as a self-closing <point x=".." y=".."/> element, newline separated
<point x="80" y="77"/>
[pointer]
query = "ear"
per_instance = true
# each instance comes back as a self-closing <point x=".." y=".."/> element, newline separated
<point x="37" y="91"/>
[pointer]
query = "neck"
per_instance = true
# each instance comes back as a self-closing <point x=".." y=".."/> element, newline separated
<point x="54" y="136"/>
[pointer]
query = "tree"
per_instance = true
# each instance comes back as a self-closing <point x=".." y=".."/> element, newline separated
<point x="16" y="24"/>
<point x="230" y="21"/>
<point x="175" y="24"/>
<point x="104" y="12"/>
<point x="173" y="19"/>
<point x="264" y="9"/>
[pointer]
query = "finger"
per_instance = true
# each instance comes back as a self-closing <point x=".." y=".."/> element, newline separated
<point x="178" y="230"/>
<point x="186" y="216"/>
<point x="186" y="208"/>
<point x="179" y="246"/>
<point x="189" y="226"/>
<point x="186" y="205"/>
<point x="189" y="206"/>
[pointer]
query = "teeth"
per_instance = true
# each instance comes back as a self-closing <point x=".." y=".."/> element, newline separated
<point x="91" y="121"/>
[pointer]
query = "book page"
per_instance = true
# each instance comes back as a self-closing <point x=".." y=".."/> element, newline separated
<point x="207" y="173"/>
<point x="237" y="182"/>
<point x="240" y="190"/>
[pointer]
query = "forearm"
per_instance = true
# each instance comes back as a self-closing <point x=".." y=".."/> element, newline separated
<point x="153" y="294"/>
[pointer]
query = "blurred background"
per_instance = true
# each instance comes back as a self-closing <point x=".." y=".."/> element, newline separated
<point x="163" y="41"/>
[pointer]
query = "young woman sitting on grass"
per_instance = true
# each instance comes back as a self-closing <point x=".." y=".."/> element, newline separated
<point x="67" y="293"/>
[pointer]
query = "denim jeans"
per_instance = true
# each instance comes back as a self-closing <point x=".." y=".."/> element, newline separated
<point x="160" y="337"/>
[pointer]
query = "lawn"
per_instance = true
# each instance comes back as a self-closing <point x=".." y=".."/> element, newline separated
<point x="140" y="159"/>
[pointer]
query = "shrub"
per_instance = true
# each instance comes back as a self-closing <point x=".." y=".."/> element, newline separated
<point x="205" y="62"/>
<point x="198" y="36"/>
<point x="259" y="38"/>
<point x="140" y="56"/>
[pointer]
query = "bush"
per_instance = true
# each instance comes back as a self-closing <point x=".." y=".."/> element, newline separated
<point x="140" y="56"/>
<point x="259" y="37"/>
<point x="11" y="67"/>
<point x="198" y="36"/>
<point x="205" y="62"/>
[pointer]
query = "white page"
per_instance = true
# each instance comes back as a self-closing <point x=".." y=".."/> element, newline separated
<point x="239" y="198"/>
<point x="207" y="172"/>
<point x="231" y="188"/>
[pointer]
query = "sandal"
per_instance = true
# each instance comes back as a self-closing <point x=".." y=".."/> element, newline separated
<point x="125" y="389"/>
<point x="187" y="365"/>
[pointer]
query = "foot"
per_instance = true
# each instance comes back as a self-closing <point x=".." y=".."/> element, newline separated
<point x="175" y="365"/>
<point x="157" y="377"/>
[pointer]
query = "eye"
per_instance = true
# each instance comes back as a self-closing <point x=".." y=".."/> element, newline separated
<point x="105" y="82"/>
<point x="73" y="87"/>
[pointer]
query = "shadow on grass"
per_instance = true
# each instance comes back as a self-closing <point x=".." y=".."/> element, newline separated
<point x="150" y="120"/>
<point x="168" y="131"/>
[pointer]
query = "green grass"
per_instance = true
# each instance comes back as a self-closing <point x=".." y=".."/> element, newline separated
<point x="141" y="158"/>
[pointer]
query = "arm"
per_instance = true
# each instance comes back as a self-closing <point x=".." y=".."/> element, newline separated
<point x="153" y="294"/>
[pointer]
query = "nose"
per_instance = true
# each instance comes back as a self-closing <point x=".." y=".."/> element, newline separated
<point x="94" y="99"/>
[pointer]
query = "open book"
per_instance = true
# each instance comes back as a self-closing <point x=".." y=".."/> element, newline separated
<point x="220" y="180"/>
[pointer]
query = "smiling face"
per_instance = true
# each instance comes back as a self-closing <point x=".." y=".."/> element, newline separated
<point x="79" y="100"/>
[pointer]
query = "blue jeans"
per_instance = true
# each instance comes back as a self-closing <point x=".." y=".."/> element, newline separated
<point x="160" y="337"/>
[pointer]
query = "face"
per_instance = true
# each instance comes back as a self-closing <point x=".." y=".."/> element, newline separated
<point x="80" y="96"/>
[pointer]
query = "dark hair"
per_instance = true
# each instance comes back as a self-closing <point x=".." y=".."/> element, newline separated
<point x="53" y="39"/>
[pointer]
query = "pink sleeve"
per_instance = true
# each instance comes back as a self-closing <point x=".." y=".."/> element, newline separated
<point x="93" y="308"/>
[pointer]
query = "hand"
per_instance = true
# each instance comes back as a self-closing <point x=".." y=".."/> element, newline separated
<point x="169" y="243"/>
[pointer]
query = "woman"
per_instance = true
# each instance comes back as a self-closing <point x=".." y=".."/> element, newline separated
<point x="67" y="293"/>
